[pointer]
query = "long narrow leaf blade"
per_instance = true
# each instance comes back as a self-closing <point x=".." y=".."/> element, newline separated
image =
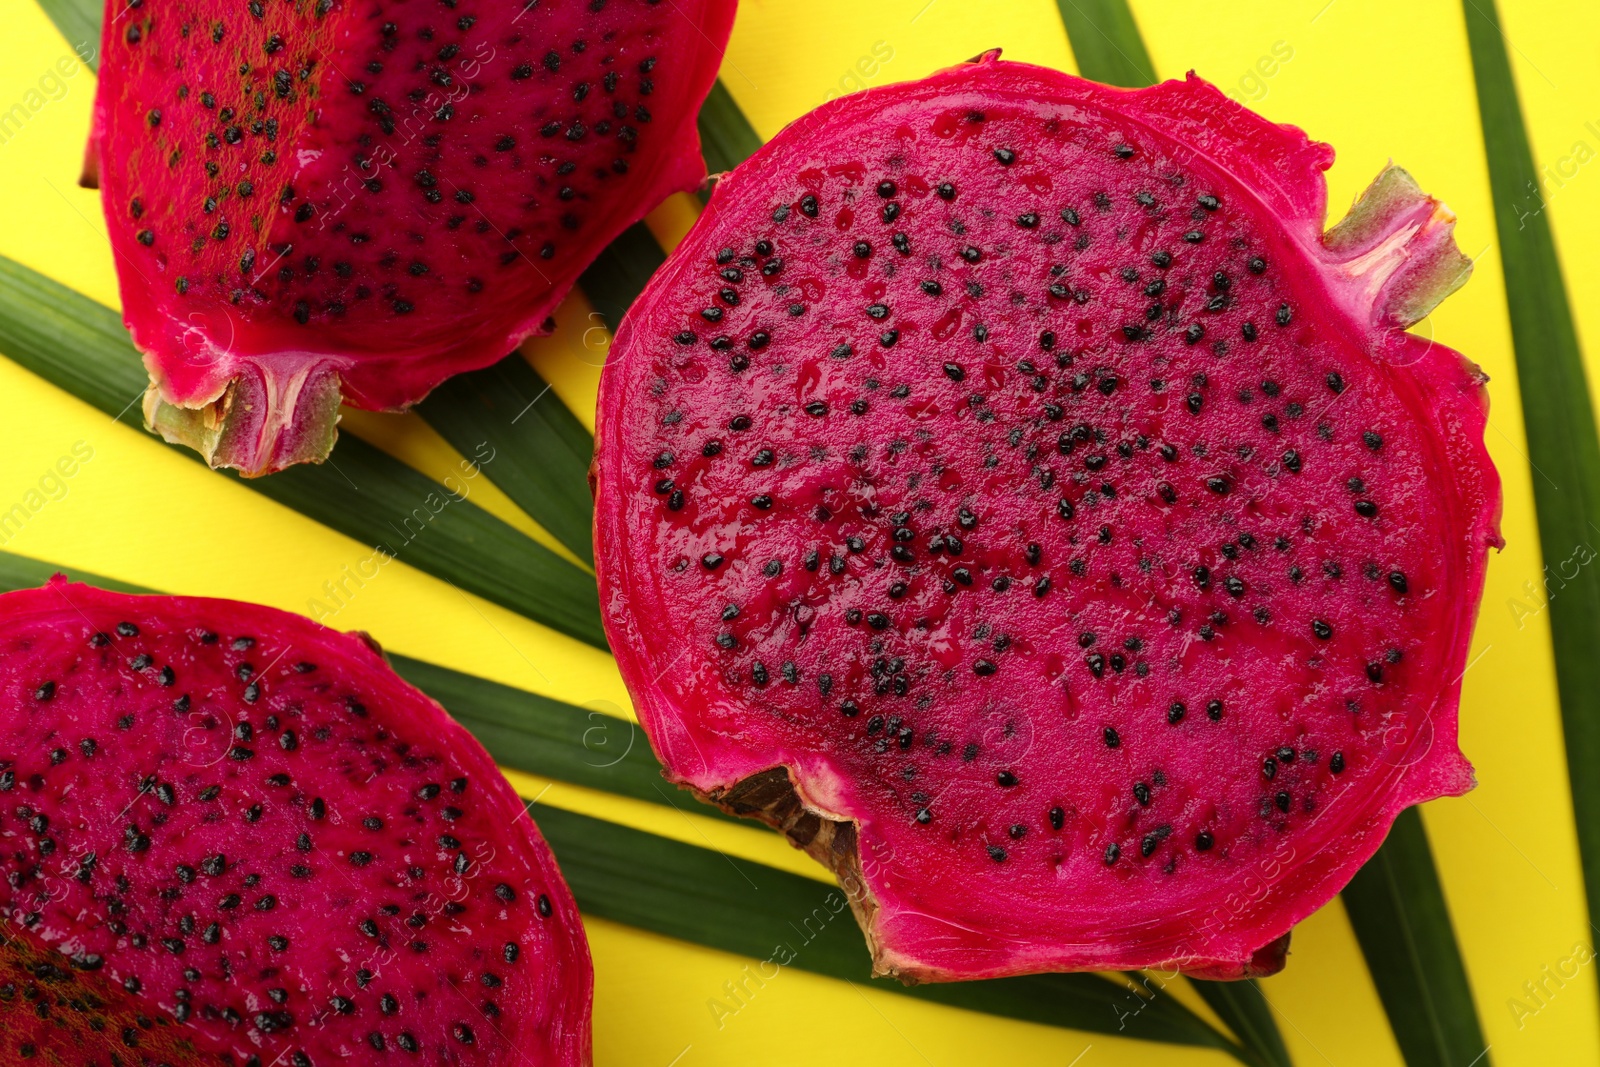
<point x="1249" y="1016"/>
<point x="79" y="23"/>
<point x="20" y="572"/>
<point x="618" y="275"/>
<point x="541" y="450"/>
<point x="1398" y="910"/>
<point x="726" y="136"/>
<point x="80" y="346"/>
<point x="703" y="896"/>
<point x="1105" y="40"/>
<point x="365" y="493"/>
<point x="1563" y="447"/>
<point x="553" y="738"/>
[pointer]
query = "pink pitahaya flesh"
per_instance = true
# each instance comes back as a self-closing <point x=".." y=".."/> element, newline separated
<point x="1010" y="470"/>
<point x="319" y="199"/>
<point x="245" y="834"/>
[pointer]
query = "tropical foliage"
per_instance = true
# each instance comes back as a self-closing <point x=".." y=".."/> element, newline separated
<point x="524" y="546"/>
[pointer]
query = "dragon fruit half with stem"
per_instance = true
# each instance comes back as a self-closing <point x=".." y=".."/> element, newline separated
<point x="322" y="200"/>
<point x="230" y="836"/>
<point x="1010" y="491"/>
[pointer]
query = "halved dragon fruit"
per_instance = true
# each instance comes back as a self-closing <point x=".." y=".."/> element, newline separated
<point x="318" y="199"/>
<point x="1010" y="491"/>
<point x="231" y="836"/>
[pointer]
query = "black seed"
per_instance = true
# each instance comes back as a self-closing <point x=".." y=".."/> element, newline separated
<point x="1321" y="629"/>
<point x="1214" y="710"/>
<point x="1113" y="850"/>
<point x="1203" y="841"/>
<point x="1111" y="738"/>
<point x="1006" y="156"/>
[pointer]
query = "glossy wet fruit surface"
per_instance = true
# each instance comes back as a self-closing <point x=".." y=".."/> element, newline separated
<point x="1014" y="461"/>
<point x="245" y="830"/>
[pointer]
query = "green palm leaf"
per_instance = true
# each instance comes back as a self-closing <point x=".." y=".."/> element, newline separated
<point x="686" y="892"/>
<point x="541" y="450"/>
<point x="1397" y="908"/>
<point x="81" y="346"/>
<point x="552" y="738"/>
<point x="1106" y="43"/>
<point x="726" y="136"/>
<point x="20" y="572"/>
<point x="1243" y="1007"/>
<point x="1563" y="447"/>
<point x="618" y="275"/>
<point x="79" y="23"/>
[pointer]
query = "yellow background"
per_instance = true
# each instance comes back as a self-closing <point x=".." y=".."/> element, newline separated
<point x="1376" y="78"/>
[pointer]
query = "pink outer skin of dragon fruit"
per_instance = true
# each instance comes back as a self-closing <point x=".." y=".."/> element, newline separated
<point x="121" y="712"/>
<point x="1101" y="893"/>
<point x="332" y="251"/>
